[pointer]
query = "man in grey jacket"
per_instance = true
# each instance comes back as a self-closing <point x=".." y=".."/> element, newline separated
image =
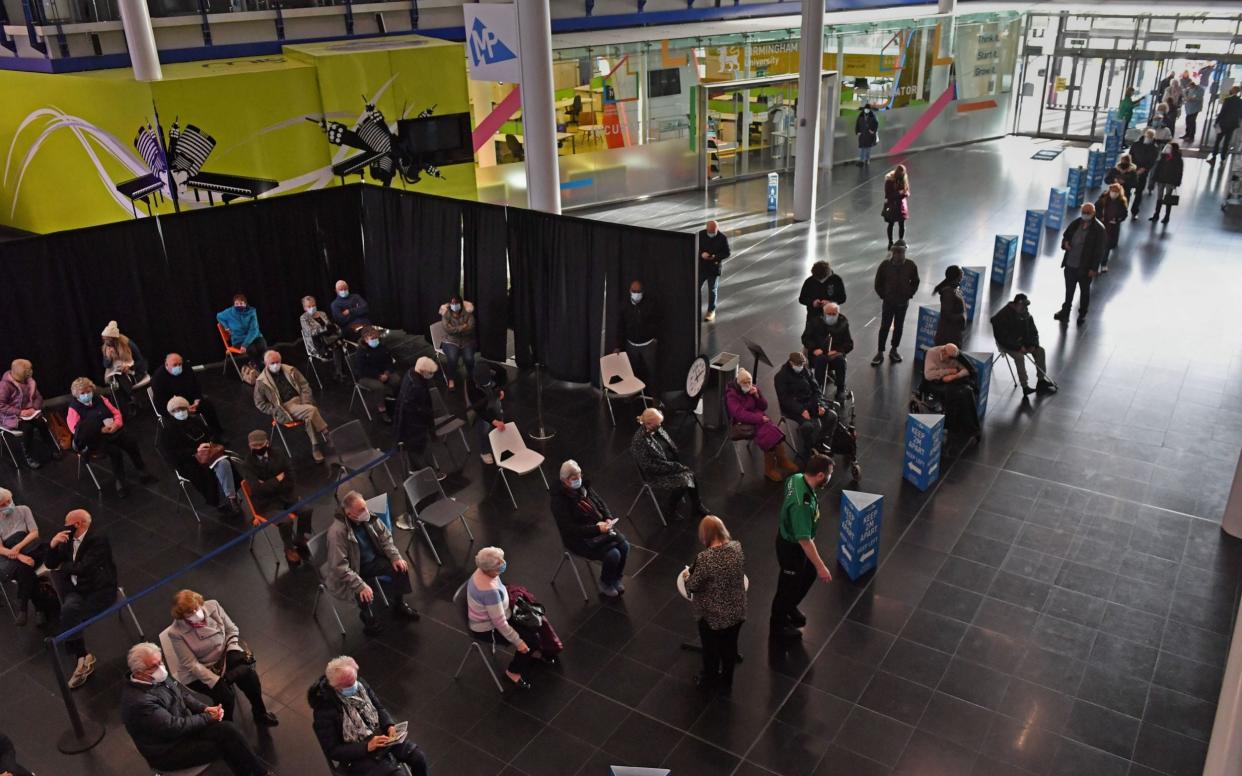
<point x="281" y="392"/>
<point x="361" y="551"/>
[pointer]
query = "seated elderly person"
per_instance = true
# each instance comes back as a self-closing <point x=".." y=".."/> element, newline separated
<point x="361" y="552"/>
<point x="283" y="393"/>
<point x="188" y="445"/>
<point x="801" y="402"/>
<point x="749" y="420"/>
<point x="98" y="427"/>
<point x="21" y="552"/>
<point x="827" y="340"/>
<point x="321" y="335"/>
<point x="489" y="611"/>
<point x="946" y="376"/>
<point x="377" y="370"/>
<point x="459" y="336"/>
<point x="123" y="363"/>
<point x="209" y="657"/>
<point x="1016" y="336"/>
<point x="486" y="410"/>
<point x="658" y="462"/>
<point x="242" y="323"/>
<point x="270" y="479"/>
<point x="85" y="574"/>
<point x="172" y="728"/>
<point x="177" y="378"/>
<point x="354" y="729"/>
<point x="350" y="311"/>
<point x="21" y="410"/>
<point x="587" y="527"/>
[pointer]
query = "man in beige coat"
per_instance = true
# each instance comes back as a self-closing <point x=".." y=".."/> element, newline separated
<point x="283" y="393"/>
<point x="361" y="551"/>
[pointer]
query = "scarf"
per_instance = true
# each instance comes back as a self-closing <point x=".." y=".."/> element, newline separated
<point x="360" y="718"/>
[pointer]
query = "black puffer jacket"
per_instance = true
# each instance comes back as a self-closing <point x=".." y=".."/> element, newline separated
<point x="415" y="414"/>
<point x="797" y="392"/>
<point x="1169" y="169"/>
<point x="158" y="716"/>
<point x="1014" y="330"/>
<point x="1144" y="154"/>
<point x="329" y="715"/>
<point x="831" y="288"/>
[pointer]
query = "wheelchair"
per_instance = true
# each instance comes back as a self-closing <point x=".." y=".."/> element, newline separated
<point x="841" y="440"/>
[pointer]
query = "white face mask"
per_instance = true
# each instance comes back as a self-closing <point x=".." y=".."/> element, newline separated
<point x="274" y="368"/>
<point x="455" y="308"/>
<point x="797" y="369"/>
<point x="1113" y="195"/>
<point x="159" y="674"/>
<point x="636" y="296"/>
<point x="831" y="320"/>
<point x="310" y="310"/>
<point x="745" y="387"/>
<point x="343" y="294"/>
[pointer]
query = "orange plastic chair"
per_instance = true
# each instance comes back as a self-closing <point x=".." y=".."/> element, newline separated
<point x="280" y="432"/>
<point x="230" y="351"/>
<point x="258" y="519"/>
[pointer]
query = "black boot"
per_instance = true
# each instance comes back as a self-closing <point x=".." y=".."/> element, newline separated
<point x="20" y="618"/>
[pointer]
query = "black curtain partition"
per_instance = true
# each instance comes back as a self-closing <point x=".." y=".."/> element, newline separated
<point x="486" y="270"/>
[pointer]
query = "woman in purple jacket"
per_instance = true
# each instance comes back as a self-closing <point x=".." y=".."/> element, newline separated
<point x="748" y="420"/>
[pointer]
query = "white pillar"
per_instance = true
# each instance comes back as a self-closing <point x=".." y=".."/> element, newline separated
<point x="140" y="39"/>
<point x="810" y="84"/>
<point x="543" y="179"/>
<point x="947" y="6"/>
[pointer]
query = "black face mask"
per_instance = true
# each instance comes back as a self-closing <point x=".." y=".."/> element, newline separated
<point x="261" y="451"/>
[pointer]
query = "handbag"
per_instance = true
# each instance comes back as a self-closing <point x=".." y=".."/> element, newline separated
<point x="527" y="614"/>
<point x="205" y="456"/>
<point x="1171" y="199"/>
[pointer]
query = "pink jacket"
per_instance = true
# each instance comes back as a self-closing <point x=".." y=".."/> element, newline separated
<point x="15" y="397"/>
<point x="749" y="408"/>
<point x="938" y="364"/>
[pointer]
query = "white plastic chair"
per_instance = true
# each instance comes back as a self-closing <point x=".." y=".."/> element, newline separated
<point x="5" y="433"/>
<point x="521" y="459"/>
<point x="437" y="339"/>
<point x="616" y="375"/>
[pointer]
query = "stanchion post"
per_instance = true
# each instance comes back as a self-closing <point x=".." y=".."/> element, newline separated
<point x="542" y="433"/>
<point x="84" y="734"/>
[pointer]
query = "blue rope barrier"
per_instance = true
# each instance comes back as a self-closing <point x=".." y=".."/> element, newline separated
<point x="247" y="534"/>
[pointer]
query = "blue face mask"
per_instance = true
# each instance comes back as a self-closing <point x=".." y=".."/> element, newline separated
<point x="351" y="690"/>
<point x="181" y="414"/>
<point x="372" y="343"/>
<point x="830" y="319"/>
<point x="342" y="294"/>
<point x="503" y="565"/>
<point x="10" y="509"/>
<point x="455" y="308"/>
<point x="575" y="483"/>
<point x="86" y="398"/>
<point x="176" y="370"/>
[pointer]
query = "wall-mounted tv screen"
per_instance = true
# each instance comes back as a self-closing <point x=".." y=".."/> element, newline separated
<point x="664" y="83"/>
<point x="438" y="140"/>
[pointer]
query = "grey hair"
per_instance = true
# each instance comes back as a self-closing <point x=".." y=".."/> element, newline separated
<point x="337" y="665"/>
<point x="570" y="467"/>
<point x="351" y="497"/>
<point x="489" y="559"/>
<point x="137" y="656"/>
<point x="5" y="495"/>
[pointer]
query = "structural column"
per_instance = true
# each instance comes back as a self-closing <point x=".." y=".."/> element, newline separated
<point x="543" y="180"/>
<point x="140" y="39"/>
<point x="810" y="85"/>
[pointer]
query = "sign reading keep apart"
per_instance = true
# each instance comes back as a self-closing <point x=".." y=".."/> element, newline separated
<point x="492" y="42"/>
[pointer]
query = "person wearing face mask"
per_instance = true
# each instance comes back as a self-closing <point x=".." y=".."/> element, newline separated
<point x="242" y="322"/>
<point x="952" y="324"/>
<point x="98" y="428"/>
<point x="827" y="341"/>
<point x="354" y="729"/>
<point x="416" y="416"/>
<point x="360" y="552"/>
<point x="125" y="368"/>
<point x="177" y="378"/>
<point x="350" y="311"/>
<point x="489" y="612"/>
<point x="798" y="557"/>
<point x="486" y="410"/>
<point x="269" y="476"/>
<point x="802" y="403"/>
<point x="1167" y="177"/>
<point x="1111" y="208"/>
<point x="658" y="461"/>
<point x="1144" y="154"/>
<point x="749" y="420"/>
<point x="84" y="573"/>
<point x="284" y="394"/>
<point x="638" y="332"/>
<point x="822" y="287"/>
<point x="896" y="283"/>
<point x="867" y="130"/>
<point x="376" y="370"/>
<point x="206" y="653"/>
<point x="1125" y="173"/>
<point x="1016" y="335"/>
<point x="1085" y="242"/>
<point x="1227" y="120"/>
<point x="21" y="553"/>
<point x="587" y="527"/>
<point x="1161" y="123"/>
<point x="21" y="411"/>
<point x="172" y="728"/>
<point x="460" y="341"/>
<point x="1193" y="95"/>
<point x="896" y="202"/>
<point x="1173" y="99"/>
<point x="187" y="444"/>
<point x="713" y="250"/>
<point x="321" y="336"/>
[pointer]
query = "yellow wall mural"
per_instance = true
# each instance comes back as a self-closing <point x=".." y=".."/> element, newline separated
<point x="73" y="147"/>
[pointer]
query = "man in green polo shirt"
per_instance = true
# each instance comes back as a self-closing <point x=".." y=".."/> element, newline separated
<point x="795" y="546"/>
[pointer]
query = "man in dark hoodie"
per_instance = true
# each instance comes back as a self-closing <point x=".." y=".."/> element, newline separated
<point x="172" y="728"/>
<point x="822" y="287"/>
<point x="896" y="282"/>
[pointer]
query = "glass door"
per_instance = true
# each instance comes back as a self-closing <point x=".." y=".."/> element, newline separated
<point x="750" y="130"/>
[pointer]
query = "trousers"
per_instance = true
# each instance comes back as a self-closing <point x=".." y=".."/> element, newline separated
<point x="796" y="577"/>
<point x="76" y="608"/>
<point x="892" y="315"/>
<point x="644" y="359"/>
<point x="719" y="651"/>
<point x="397" y="586"/>
<point x="309" y="415"/>
<point x="1074" y="280"/>
<point x="1019" y="362"/>
<point x="713" y="290"/>
<point x="217" y="741"/>
<point x="613" y="555"/>
<point x="240" y="675"/>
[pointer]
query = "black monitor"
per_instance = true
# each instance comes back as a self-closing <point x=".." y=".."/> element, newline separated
<point x="664" y="83"/>
<point x="438" y="140"/>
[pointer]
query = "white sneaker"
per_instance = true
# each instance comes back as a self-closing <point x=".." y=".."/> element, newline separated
<point x="487" y="459"/>
<point x="81" y="672"/>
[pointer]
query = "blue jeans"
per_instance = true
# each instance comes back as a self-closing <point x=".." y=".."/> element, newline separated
<point x="613" y="555"/>
<point x="453" y="352"/>
<point x="713" y="290"/>
<point x="224" y="475"/>
<point x="864" y="153"/>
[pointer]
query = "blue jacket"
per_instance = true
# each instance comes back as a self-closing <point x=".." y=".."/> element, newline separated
<point x="358" y="310"/>
<point x="243" y="325"/>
